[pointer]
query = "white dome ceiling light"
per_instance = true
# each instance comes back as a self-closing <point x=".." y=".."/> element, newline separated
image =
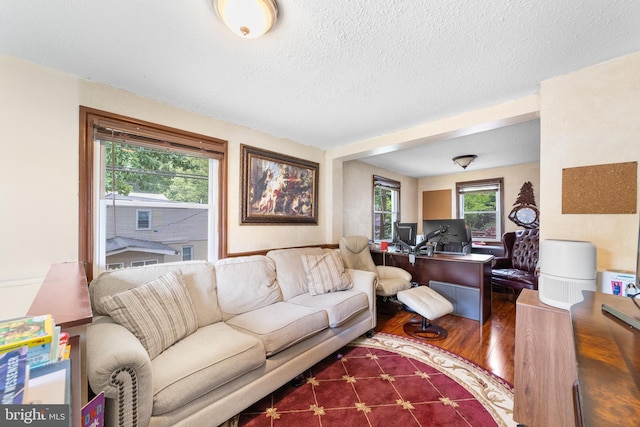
<point x="247" y="18"/>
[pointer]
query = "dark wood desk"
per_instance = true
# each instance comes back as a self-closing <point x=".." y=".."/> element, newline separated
<point x="472" y="270"/>
<point x="608" y="359"/>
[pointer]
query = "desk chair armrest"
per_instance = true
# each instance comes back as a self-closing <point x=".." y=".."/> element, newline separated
<point x="501" y="263"/>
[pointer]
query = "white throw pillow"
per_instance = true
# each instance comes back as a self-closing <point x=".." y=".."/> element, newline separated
<point x="159" y="313"/>
<point x="325" y="273"/>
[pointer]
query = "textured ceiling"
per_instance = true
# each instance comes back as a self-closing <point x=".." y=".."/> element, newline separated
<point x="332" y="72"/>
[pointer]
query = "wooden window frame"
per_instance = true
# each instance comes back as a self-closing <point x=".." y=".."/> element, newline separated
<point x="392" y="184"/>
<point x="480" y="183"/>
<point x="215" y="147"/>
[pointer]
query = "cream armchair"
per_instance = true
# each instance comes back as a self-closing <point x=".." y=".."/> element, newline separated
<point x="356" y="255"/>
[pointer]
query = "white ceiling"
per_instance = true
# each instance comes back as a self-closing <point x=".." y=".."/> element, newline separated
<point x="511" y="145"/>
<point x="332" y="72"/>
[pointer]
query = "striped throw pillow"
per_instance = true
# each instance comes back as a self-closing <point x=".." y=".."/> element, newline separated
<point x="325" y="273"/>
<point x="159" y="313"/>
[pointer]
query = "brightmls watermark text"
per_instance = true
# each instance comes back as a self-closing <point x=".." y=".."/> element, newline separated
<point x="35" y="415"/>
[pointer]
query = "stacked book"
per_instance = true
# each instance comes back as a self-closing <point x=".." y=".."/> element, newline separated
<point x="27" y="344"/>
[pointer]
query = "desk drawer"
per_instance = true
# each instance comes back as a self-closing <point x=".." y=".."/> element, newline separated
<point x="465" y="300"/>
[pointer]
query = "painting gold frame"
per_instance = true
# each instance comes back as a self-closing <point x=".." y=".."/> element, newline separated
<point x="277" y="189"/>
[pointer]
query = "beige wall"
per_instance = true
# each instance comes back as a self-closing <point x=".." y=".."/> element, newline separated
<point x="357" y="210"/>
<point x="38" y="169"/>
<point x="591" y="117"/>
<point x="39" y="113"/>
<point x="241" y="238"/>
<point x="514" y="177"/>
<point x="587" y="117"/>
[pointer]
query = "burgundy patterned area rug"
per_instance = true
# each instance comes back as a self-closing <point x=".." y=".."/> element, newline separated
<point x="388" y="381"/>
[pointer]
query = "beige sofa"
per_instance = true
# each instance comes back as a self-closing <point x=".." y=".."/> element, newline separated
<point x="230" y="332"/>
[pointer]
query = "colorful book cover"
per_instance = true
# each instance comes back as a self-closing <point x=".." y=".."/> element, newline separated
<point x="36" y="332"/>
<point x="63" y="346"/>
<point x="13" y="376"/>
<point x="93" y="412"/>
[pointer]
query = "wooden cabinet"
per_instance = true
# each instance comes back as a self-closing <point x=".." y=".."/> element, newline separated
<point x="545" y="364"/>
<point x="586" y="352"/>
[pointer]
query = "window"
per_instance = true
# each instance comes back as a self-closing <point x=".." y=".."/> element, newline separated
<point x="386" y="207"/>
<point x="145" y="262"/>
<point x="152" y="201"/>
<point x="146" y="191"/>
<point x="187" y="253"/>
<point x="143" y="219"/>
<point x="115" y="266"/>
<point x="480" y="204"/>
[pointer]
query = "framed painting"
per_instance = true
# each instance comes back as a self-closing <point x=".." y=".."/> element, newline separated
<point x="277" y="189"/>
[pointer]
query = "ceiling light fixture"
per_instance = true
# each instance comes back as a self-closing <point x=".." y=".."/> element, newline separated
<point x="465" y="160"/>
<point x="247" y="18"/>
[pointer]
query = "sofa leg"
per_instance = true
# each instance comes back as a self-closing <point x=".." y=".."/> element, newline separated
<point x="370" y="333"/>
<point x="298" y="380"/>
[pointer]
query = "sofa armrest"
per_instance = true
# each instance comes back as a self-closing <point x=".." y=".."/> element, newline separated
<point x="501" y="262"/>
<point x="118" y="364"/>
<point x="367" y="282"/>
<point x="391" y="272"/>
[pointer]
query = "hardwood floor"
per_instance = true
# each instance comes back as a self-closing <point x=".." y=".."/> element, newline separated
<point x="490" y="345"/>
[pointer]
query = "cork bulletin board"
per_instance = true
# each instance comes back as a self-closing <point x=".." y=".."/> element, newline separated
<point x="436" y="204"/>
<point x="600" y="189"/>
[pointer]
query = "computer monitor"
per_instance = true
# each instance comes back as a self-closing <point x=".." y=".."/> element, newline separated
<point x="406" y="232"/>
<point x="451" y="235"/>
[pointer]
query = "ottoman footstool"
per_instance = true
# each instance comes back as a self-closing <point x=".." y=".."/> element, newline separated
<point x="430" y="305"/>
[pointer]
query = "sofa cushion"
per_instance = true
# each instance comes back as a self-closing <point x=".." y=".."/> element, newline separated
<point x="325" y="273"/>
<point x="159" y="313"/>
<point x="210" y="357"/>
<point x="246" y="283"/>
<point x="340" y="306"/>
<point x="197" y="276"/>
<point x="291" y="276"/>
<point x="281" y="325"/>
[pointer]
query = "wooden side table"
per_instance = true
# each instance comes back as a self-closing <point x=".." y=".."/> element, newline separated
<point x="65" y="295"/>
<point x="545" y="364"/>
